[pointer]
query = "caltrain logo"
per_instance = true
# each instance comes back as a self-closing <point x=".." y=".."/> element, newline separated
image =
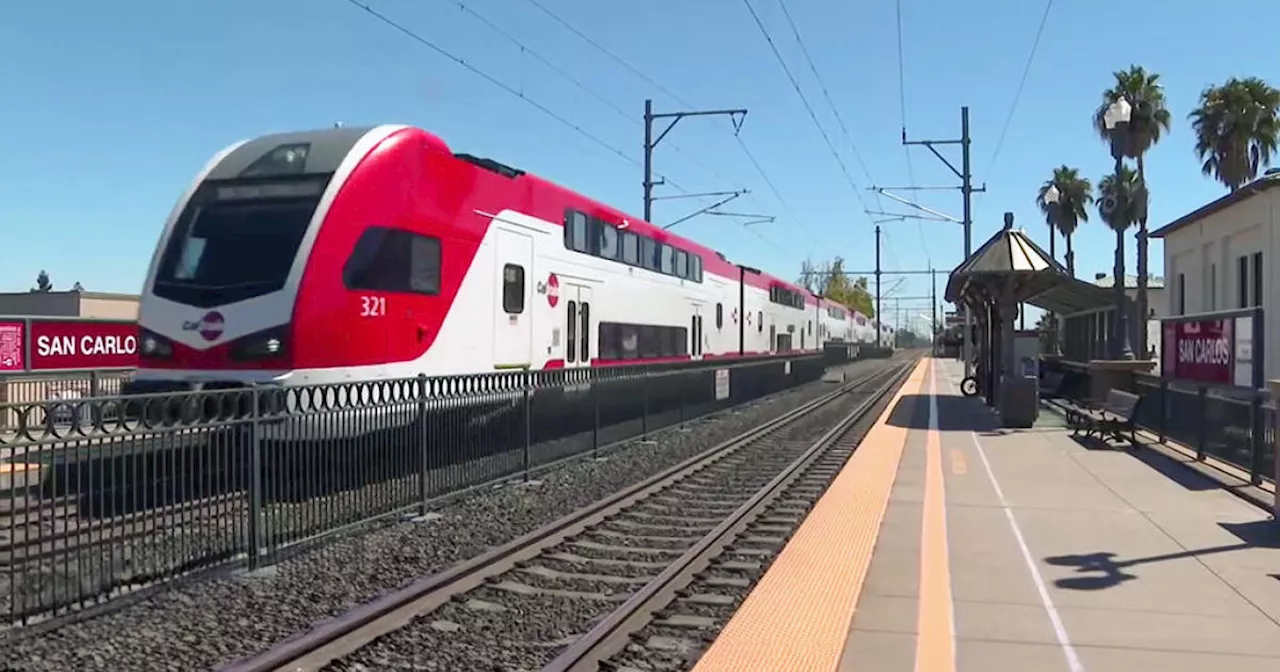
<point x="209" y="327"/>
<point x="553" y="290"/>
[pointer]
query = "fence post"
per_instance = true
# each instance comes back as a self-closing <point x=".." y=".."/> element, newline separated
<point x="424" y="447"/>
<point x="644" y="411"/>
<point x="526" y="382"/>
<point x="255" y="480"/>
<point x="1274" y="386"/>
<point x="1164" y="409"/>
<point x="1257" y="439"/>
<point x="1202" y="397"/>
<point x="595" y="404"/>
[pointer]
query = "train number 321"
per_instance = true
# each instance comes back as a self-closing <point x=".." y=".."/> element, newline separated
<point x="373" y="306"/>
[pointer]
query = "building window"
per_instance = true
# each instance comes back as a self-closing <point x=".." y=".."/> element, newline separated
<point x="1242" y="282"/>
<point x="1257" y="279"/>
<point x="1213" y="286"/>
<point x="1182" y="293"/>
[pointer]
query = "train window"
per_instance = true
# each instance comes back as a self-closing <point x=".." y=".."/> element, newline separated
<point x="760" y="319"/>
<point x="575" y="231"/>
<point x="631" y="248"/>
<point x="697" y="268"/>
<point x="650" y="341"/>
<point x="424" y="265"/>
<point x="571" y="333"/>
<point x="811" y="326"/>
<point x="393" y="260"/>
<point x="693" y="331"/>
<point x="608" y="340"/>
<point x="513" y="289"/>
<point x="719" y="315"/>
<point x="629" y="338"/>
<point x="649" y="253"/>
<point x="585" y="347"/>
<point x="609" y="242"/>
<point x="682" y="264"/>
<point x="667" y="255"/>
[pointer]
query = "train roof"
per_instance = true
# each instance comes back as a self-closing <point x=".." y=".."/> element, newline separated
<point x="324" y="149"/>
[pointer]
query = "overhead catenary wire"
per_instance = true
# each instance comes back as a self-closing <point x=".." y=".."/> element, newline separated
<point x="902" y="110"/>
<point x="844" y="170"/>
<point x="595" y="139"/>
<point x="629" y="117"/>
<point x="764" y="175"/>
<point x="1022" y="83"/>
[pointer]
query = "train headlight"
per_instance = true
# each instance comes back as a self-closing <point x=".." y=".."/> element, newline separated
<point x="154" y="345"/>
<point x="268" y="344"/>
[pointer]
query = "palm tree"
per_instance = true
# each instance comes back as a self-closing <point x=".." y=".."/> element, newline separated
<point x="1121" y="202"/>
<point x="1149" y="122"/>
<point x="1074" y="195"/>
<point x="1236" y="129"/>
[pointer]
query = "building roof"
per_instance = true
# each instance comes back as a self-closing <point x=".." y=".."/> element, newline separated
<point x="1247" y="191"/>
<point x="82" y="294"/>
<point x="1130" y="282"/>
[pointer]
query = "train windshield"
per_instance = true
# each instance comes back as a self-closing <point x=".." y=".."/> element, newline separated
<point x="223" y="252"/>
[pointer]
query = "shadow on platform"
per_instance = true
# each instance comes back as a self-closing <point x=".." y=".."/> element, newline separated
<point x="1107" y="571"/>
<point x="955" y="414"/>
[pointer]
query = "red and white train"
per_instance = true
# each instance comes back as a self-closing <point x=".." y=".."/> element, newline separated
<point x="371" y="253"/>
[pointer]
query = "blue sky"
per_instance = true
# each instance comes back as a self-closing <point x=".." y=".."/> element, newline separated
<point x="113" y="107"/>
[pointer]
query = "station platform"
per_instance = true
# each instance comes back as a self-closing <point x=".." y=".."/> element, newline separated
<point x="948" y="544"/>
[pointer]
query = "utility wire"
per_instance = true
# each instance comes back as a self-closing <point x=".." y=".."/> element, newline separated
<point x="902" y="109"/>
<point x="497" y="82"/>
<point x="524" y="48"/>
<point x="1026" y="70"/>
<point x="670" y="94"/>
<point x="822" y="85"/>
<point x="809" y="108"/>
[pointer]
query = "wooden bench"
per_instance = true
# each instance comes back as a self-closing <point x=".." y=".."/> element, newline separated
<point x="1051" y="384"/>
<point x="1111" y="417"/>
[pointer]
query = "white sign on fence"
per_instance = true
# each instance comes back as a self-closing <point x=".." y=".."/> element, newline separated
<point x="722" y="384"/>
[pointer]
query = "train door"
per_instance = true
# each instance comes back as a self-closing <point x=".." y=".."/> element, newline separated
<point x="513" y="321"/>
<point x="578" y="330"/>
<point x="695" y="332"/>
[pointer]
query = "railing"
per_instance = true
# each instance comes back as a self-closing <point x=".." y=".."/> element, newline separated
<point x="145" y="489"/>
<point x="1235" y="425"/>
<point x="17" y="389"/>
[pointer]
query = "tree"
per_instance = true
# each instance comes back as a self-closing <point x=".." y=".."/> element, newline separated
<point x="1236" y="129"/>
<point x="1075" y="193"/>
<point x="1121" y="203"/>
<point x="43" y="284"/>
<point x="1149" y="121"/>
<point x="832" y="281"/>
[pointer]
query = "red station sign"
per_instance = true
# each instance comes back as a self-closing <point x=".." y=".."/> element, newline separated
<point x="1199" y="350"/>
<point x="82" y="344"/>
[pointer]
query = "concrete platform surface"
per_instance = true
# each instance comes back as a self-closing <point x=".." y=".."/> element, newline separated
<point x="1062" y="555"/>
<point x="949" y="544"/>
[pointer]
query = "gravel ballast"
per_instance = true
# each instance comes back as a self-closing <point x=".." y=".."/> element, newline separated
<point x="199" y="626"/>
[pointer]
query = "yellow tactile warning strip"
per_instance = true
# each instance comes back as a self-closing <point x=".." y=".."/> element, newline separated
<point x="935" y="640"/>
<point x="797" y="617"/>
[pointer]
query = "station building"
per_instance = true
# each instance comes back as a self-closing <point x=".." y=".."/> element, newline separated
<point x="1215" y="258"/>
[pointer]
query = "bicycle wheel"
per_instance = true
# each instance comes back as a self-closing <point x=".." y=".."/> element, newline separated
<point x="969" y="386"/>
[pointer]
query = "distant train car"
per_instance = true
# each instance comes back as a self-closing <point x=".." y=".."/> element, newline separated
<point x="354" y="254"/>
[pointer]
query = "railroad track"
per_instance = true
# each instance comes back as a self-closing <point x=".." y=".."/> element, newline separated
<point x="572" y="594"/>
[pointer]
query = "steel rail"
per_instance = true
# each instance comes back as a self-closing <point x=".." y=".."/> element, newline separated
<point x="611" y="633"/>
<point x="337" y="637"/>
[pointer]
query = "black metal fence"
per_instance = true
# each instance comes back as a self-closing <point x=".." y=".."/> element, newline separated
<point x="17" y="389"/>
<point x="144" y="489"/>
<point x="1235" y="425"/>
